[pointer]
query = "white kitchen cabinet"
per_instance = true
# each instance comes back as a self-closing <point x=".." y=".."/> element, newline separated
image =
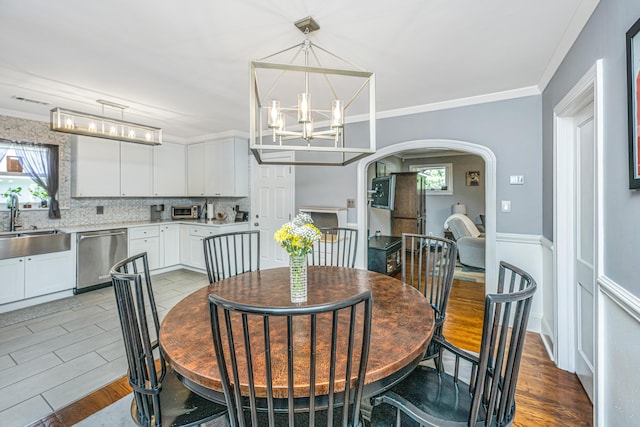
<point x="218" y="168"/>
<point x="170" y="244"/>
<point x="169" y="175"/>
<point x="146" y="239"/>
<point x="227" y="168"/>
<point x="36" y="275"/>
<point x="192" y="253"/>
<point x="95" y="167"/>
<point x="48" y="273"/>
<point x="135" y="170"/>
<point x="195" y="170"/>
<point x="12" y="272"/>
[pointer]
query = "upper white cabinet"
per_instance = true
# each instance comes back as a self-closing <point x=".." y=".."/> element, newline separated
<point x="195" y="171"/>
<point x="169" y="170"/>
<point x="135" y="169"/>
<point x="107" y="168"/>
<point x="223" y="166"/>
<point x="95" y="167"/>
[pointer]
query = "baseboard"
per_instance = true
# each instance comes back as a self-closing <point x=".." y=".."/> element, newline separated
<point x="546" y="334"/>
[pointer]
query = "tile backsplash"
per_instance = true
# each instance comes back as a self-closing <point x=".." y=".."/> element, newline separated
<point x="83" y="211"/>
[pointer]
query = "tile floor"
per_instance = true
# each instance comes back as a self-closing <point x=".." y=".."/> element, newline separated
<point x="52" y="360"/>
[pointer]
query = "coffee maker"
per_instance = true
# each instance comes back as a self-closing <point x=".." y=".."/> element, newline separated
<point x="156" y="212"/>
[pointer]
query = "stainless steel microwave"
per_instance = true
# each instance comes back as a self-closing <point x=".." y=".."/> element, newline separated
<point x="185" y="212"/>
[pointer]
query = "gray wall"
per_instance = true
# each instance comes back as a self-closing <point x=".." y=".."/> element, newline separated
<point x="511" y="129"/>
<point x="603" y="37"/>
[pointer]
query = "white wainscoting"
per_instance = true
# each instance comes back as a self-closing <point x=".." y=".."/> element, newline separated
<point x="524" y="251"/>
<point x="547" y="327"/>
<point x="618" y="344"/>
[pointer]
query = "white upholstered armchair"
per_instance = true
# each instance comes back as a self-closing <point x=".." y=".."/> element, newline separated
<point x="471" y="242"/>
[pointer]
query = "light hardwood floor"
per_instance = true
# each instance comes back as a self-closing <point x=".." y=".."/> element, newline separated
<point x="546" y="396"/>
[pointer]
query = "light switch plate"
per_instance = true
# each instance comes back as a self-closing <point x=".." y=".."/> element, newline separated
<point x="516" y="180"/>
<point x="506" y="205"/>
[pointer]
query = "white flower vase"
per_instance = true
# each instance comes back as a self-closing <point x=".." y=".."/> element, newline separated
<point x="298" y="278"/>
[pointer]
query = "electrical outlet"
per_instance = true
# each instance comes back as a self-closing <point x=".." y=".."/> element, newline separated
<point x="506" y="205"/>
<point x="351" y="203"/>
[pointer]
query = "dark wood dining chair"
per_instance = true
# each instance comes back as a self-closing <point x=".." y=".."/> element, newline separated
<point x="336" y="247"/>
<point x="159" y="398"/>
<point x="230" y="254"/>
<point x="321" y="394"/>
<point x="441" y="395"/>
<point x="428" y="264"/>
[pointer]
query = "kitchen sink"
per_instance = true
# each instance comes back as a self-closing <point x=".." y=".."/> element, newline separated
<point x="24" y="243"/>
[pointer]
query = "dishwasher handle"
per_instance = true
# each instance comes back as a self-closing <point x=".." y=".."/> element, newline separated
<point x="90" y="236"/>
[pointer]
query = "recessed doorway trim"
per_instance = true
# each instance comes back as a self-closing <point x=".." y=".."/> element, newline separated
<point x="490" y="194"/>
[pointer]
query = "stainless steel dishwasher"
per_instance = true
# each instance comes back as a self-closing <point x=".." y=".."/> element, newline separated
<point x="97" y="252"/>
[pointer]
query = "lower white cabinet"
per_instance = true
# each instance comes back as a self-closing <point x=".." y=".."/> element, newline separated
<point x="44" y="274"/>
<point x="160" y="242"/>
<point x="36" y="275"/>
<point x="13" y="288"/>
<point x="192" y="249"/>
<point x="170" y="244"/>
<point x="146" y="239"/>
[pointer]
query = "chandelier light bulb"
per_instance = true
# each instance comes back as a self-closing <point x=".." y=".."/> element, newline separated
<point x="92" y="127"/>
<point x="274" y="113"/>
<point x="337" y="113"/>
<point x="304" y="107"/>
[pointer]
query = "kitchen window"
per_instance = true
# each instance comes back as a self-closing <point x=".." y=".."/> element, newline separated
<point x="437" y="177"/>
<point x="31" y="172"/>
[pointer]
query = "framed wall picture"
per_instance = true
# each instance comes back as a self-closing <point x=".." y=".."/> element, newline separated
<point x="13" y="164"/>
<point x="381" y="169"/>
<point x="633" y="101"/>
<point x="473" y="178"/>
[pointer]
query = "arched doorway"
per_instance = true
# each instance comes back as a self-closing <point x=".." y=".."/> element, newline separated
<point x="490" y="194"/>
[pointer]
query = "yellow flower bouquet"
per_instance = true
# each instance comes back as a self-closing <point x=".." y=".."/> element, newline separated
<point x="297" y="237"/>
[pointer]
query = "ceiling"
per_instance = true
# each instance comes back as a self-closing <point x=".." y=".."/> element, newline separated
<point x="183" y="65"/>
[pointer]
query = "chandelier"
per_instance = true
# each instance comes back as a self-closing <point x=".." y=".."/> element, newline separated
<point x="304" y="109"/>
<point x="69" y="121"/>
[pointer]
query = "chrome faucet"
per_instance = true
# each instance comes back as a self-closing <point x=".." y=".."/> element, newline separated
<point x="14" y="212"/>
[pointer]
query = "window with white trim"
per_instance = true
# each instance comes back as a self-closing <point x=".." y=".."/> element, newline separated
<point x="438" y="177"/>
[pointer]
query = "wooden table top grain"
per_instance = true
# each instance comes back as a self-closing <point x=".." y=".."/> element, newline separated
<point x="402" y="323"/>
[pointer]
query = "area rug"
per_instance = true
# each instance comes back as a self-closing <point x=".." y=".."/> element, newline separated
<point x="36" y="311"/>
<point x="468" y="274"/>
<point x="116" y="414"/>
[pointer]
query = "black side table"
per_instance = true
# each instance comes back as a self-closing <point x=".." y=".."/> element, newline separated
<point x="385" y="254"/>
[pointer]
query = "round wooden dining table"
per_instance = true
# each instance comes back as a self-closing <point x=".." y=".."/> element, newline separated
<point x="401" y="329"/>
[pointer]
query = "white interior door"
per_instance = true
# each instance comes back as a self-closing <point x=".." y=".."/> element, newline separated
<point x="272" y="205"/>
<point x="585" y="237"/>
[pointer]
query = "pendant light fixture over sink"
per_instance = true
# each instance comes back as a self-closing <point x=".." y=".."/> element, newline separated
<point x="78" y="123"/>
<point x="301" y="105"/>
